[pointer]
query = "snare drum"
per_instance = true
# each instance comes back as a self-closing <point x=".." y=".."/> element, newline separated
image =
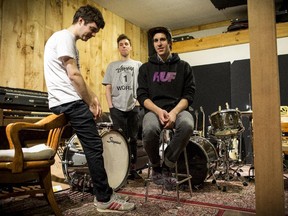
<point x="116" y="154"/>
<point x="104" y="127"/>
<point x="226" y="123"/>
<point x="202" y="159"/>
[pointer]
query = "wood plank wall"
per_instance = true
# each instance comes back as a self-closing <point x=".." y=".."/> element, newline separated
<point x="25" y="26"/>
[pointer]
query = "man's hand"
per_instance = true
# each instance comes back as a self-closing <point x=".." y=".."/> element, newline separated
<point x="95" y="107"/>
<point x="163" y="116"/>
<point x="171" y="121"/>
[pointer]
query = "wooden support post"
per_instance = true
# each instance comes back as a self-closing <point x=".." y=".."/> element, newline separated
<point x="266" y="108"/>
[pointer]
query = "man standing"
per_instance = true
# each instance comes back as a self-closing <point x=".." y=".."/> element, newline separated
<point x="69" y="94"/>
<point x="166" y="89"/>
<point x="121" y="84"/>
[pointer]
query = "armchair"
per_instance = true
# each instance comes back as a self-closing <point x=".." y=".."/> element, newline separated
<point x="20" y="165"/>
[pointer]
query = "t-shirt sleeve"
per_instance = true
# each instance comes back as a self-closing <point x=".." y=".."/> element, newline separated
<point x="66" y="47"/>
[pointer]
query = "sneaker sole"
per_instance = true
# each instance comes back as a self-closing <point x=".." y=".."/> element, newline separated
<point x="125" y="198"/>
<point x="115" y="211"/>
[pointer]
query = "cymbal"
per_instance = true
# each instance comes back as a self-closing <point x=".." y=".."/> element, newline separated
<point x="248" y="112"/>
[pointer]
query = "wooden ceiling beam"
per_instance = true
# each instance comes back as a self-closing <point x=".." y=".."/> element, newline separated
<point x="222" y="40"/>
<point x="201" y="27"/>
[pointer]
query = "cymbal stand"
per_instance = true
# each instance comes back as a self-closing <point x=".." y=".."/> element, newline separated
<point x="203" y="121"/>
<point x="197" y="132"/>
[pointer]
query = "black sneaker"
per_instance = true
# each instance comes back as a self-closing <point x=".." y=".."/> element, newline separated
<point x="134" y="175"/>
<point x="168" y="180"/>
<point x="157" y="178"/>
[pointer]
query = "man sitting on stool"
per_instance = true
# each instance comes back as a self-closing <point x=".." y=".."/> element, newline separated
<point x="166" y="89"/>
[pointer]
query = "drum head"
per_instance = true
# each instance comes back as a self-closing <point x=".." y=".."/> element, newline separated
<point x="116" y="156"/>
<point x="202" y="159"/>
<point x="74" y="165"/>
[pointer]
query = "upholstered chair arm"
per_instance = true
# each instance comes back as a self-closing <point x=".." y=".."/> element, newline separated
<point x="55" y="124"/>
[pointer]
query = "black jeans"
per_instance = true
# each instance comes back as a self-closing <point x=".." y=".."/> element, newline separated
<point x="128" y="123"/>
<point x="81" y="120"/>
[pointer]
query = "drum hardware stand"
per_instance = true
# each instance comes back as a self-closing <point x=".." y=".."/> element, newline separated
<point x="197" y="132"/>
<point x="248" y="113"/>
<point x="228" y="127"/>
<point x="225" y="168"/>
<point x="203" y="121"/>
<point x="196" y="121"/>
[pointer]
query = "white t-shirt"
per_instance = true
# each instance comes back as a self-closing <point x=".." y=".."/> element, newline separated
<point x="122" y="76"/>
<point x="60" y="88"/>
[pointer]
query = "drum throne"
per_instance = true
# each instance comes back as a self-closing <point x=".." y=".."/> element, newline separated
<point x="181" y="177"/>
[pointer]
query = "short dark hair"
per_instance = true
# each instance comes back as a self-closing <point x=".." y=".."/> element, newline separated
<point x="89" y="14"/>
<point x="123" y="36"/>
<point x="160" y="29"/>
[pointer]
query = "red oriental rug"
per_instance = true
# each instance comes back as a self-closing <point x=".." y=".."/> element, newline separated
<point x="206" y="200"/>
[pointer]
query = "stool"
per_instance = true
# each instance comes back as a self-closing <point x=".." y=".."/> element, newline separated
<point x="165" y="139"/>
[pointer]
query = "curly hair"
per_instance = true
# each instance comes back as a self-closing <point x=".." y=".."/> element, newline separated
<point x="89" y="14"/>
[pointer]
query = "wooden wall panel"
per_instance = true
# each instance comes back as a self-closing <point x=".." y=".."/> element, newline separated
<point x="133" y="32"/>
<point x="33" y="50"/>
<point x="69" y="8"/>
<point x="1" y="9"/>
<point x="26" y="25"/>
<point x="143" y="46"/>
<point x="13" y="41"/>
<point x="53" y="17"/>
<point x="96" y="65"/>
<point x="53" y="21"/>
<point x="109" y="47"/>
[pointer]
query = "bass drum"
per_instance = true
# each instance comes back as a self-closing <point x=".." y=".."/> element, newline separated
<point x="116" y="154"/>
<point x="202" y="159"/>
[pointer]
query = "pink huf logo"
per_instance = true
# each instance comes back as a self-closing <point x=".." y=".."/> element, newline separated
<point x="164" y="76"/>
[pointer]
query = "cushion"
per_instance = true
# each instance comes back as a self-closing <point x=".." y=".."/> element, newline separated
<point x="37" y="152"/>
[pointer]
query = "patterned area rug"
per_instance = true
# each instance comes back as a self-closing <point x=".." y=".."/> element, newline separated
<point x="207" y="199"/>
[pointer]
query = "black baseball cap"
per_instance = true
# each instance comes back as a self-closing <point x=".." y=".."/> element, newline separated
<point x="160" y="29"/>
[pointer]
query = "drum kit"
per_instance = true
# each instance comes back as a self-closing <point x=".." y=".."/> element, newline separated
<point x="215" y="156"/>
<point x="226" y="128"/>
<point x="219" y="155"/>
<point x="116" y="154"/>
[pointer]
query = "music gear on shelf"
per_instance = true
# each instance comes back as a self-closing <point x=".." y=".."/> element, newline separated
<point x="23" y="99"/>
<point x="22" y="105"/>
